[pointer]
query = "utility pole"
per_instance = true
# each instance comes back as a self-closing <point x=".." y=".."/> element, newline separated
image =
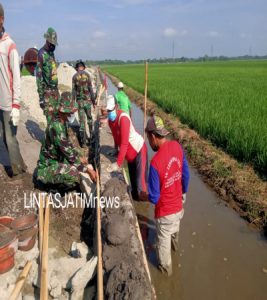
<point x="250" y="50"/>
<point x="173" y="49"/>
<point x="211" y="50"/>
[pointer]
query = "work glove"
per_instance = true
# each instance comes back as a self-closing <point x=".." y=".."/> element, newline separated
<point x="42" y="103"/>
<point x="184" y="198"/>
<point x="15" y="114"/>
<point x="113" y="167"/>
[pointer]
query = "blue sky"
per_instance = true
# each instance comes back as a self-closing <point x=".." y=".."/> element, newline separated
<point x="140" y="29"/>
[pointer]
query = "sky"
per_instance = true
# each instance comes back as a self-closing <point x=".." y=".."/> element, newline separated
<point x="140" y="29"/>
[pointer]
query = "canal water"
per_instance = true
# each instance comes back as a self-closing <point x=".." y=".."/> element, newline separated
<point x="220" y="256"/>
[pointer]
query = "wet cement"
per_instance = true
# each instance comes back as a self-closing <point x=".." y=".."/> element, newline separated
<point x="220" y="256"/>
<point x="124" y="272"/>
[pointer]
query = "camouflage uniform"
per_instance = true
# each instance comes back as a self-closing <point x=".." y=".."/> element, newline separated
<point x="47" y="80"/>
<point x="83" y="93"/>
<point x="59" y="161"/>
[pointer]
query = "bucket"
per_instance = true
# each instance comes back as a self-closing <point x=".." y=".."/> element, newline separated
<point x="6" y="221"/>
<point x="26" y="228"/>
<point x="8" y="247"/>
<point x="7" y="261"/>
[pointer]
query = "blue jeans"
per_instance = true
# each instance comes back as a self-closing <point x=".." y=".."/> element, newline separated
<point x="8" y="134"/>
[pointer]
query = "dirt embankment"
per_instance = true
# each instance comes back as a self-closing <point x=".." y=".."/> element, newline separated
<point x="235" y="183"/>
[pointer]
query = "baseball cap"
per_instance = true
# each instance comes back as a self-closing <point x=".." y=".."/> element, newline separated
<point x="120" y="85"/>
<point x="110" y="102"/>
<point x="156" y="125"/>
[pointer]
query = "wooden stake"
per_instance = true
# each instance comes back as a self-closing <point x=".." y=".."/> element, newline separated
<point x="146" y="77"/>
<point x="100" y="289"/>
<point x="20" y="281"/>
<point x="44" y="272"/>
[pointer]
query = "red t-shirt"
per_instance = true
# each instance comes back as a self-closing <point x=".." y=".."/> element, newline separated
<point x="166" y="173"/>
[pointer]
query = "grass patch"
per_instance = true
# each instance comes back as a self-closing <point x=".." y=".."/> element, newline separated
<point x="224" y="102"/>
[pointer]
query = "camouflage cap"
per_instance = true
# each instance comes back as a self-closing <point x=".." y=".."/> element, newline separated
<point x="2" y="12"/>
<point x="155" y="125"/>
<point x="67" y="105"/>
<point x="51" y="36"/>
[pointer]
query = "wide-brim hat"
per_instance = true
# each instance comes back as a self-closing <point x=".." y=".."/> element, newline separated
<point x="51" y="36"/>
<point x="79" y="63"/>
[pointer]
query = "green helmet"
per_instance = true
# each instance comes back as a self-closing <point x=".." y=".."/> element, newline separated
<point x="67" y="105"/>
<point x="51" y="36"/>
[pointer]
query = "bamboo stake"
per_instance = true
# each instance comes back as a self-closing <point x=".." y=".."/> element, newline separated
<point x="125" y="176"/>
<point x="41" y="227"/>
<point x="146" y="76"/>
<point x="20" y="281"/>
<point x="99" y="245"/>
<point x="99" y="94"/>
<point x="44" y="272"/>
<point x="141" y="242"/>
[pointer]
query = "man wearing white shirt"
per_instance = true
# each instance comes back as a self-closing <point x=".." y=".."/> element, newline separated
<point x="10" y="97"/>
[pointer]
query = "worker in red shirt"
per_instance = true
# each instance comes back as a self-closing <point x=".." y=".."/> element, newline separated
<point x="131" y="147"/>
<point x="167" y="187"/>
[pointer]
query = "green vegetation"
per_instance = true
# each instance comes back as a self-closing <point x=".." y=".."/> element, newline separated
<point x="225" y="102"/>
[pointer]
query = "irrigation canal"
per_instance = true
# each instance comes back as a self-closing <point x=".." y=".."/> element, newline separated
<point x="220" y="256"/>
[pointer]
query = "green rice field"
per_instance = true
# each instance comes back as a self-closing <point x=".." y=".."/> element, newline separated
<point x="225" y="102"/>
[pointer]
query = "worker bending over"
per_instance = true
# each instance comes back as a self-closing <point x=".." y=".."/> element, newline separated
<point x="131" y="147"/>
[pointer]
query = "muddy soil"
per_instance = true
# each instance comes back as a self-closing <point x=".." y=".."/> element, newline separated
<point x="235" y="183"/>
<point x="12" y="194"/>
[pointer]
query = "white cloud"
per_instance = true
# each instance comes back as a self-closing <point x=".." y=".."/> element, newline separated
<point x="169" y="32"/>
<point x="213" y="34"/>
<point x="99" y="34"/>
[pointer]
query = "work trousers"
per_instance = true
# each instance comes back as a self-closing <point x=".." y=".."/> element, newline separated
<point x="51" y="98"/>
<point x="167" y="235"/>
<point x="58" y="173"/>
<point x="138" y="170"/>
<point x="8" y="134"/>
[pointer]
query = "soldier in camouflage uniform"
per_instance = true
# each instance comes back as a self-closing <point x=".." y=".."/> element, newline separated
<point x="60" y="162"/>
<point x="46" y="75"/>
<point x="82" y="92"/>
